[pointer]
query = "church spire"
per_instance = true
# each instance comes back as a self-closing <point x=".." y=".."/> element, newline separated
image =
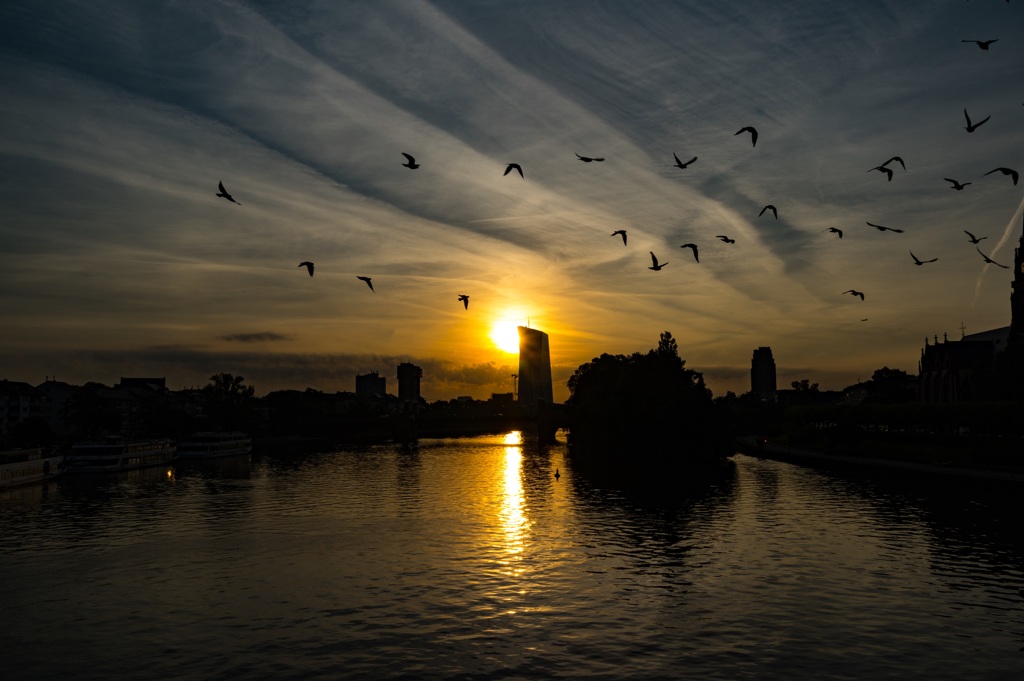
<point x="1017" y="294"/>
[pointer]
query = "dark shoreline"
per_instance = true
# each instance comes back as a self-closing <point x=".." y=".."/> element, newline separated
<point x="761" y="447"/>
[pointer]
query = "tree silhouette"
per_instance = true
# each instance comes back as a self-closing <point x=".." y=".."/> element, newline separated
<point x="230" y="403"/>
<point x="643" y="407"/>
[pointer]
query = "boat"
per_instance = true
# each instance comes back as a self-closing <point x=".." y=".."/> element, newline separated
<point x="27" y="466"/>
<point x="115" y="454"/>
<point x="214" y="444"/>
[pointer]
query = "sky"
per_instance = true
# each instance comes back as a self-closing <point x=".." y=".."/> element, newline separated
<point x="118" y="119"/>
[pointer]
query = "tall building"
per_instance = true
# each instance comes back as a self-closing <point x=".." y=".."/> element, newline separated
<point x="1017" y="294"/>
<point x="371" y="384"/>
<point x="534" y="369"/>
<point x="409" y="376"/>
<point x="762" y="373"/>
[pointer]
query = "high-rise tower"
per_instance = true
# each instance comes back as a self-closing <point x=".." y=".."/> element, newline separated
<point x="409" y="376"/>
<point x="762" y="373"/>
<point x="534" y="369"/>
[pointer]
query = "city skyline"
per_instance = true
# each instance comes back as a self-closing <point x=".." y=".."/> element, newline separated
<point x="121" y="122"/>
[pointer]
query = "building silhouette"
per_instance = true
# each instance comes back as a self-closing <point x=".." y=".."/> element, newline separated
<point x="371" y="384"/>
<point x="534" y="370"/>
<point x="409" y="376"/>
<point x="1017" y="294"/>
<point x="955" y="371"/>
<point x="762" y="373"/>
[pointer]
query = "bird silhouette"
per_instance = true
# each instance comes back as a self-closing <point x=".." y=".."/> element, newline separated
<point x="990" y="261"/>
<point x="692" y="247"/>
<point x="680" y="164"/>
<point x="983" y="44"/>
<point x="887" y="171"/>
<point x="753" y="134"/>
<point x="654" y="263"/>
<point x="368" y="282"/>
<point x="411" y="163"/>
<point x="224" y="193"/>
<point x="587" y="159"/>
<point x="895" y="158"/>
<point x="834" y="230"/>
<point x="974" y="239"/>
<point x="772" y="209"/>
<point x="856" y="293"/>
<point x="622" y="233"/>
<point x="956" y="185"/>
<point x="465" y="300"/>
<point x="971" y="127"/>
<point x="1006" y="171"/>
<point x="883" y="228"/>
<point x="725" y="239"/>
<point x="308" y="265"/>
<point x="514" y="166"/>
<point x="918" y="261"/>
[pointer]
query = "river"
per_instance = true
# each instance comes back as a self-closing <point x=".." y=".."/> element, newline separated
<point x="469" y="559"/>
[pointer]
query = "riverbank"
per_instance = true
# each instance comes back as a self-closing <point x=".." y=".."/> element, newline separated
<point x="764" y="448"/>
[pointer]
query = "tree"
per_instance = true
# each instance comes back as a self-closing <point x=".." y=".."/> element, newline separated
<point x="890" y="386"/>
<point x="643" y="407"/>
<point x="230" y="403"/>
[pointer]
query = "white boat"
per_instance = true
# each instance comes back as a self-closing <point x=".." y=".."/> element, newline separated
<point x="117" y="454"/>
<point x="210" y="445"/>
<point x="26" y="466"/>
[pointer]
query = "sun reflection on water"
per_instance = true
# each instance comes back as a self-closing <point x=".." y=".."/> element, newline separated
<point x="515" y="524"/>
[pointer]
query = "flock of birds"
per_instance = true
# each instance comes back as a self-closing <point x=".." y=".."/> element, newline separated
<point x="657" y="265"/>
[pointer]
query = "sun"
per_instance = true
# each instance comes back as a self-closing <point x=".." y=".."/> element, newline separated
<point x="505" y="336"/>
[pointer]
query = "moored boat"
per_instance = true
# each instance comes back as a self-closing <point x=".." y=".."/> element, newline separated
<point x="210" y="445"/>
<point x="26" y="466"/>
<point x="118" y="454"/>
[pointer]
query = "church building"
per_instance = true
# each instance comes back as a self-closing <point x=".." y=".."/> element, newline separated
<point x="956" y="371"/>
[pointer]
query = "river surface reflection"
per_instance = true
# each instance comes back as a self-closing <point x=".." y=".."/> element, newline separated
<point x="467" y="558"/>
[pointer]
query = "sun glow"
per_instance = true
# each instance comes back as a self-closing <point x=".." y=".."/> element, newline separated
<point x="505" y="335"/>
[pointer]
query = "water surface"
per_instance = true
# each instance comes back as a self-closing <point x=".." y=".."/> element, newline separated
<point x="467" y="558"/>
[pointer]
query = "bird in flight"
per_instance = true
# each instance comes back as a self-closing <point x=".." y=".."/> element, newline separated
<point x="918" y="261"/>
<point x="974" y="239"/>
<point x="856" y="293"/>
<point x="895" y="158"/>
<point x="622" y="233"/>
<point x="514" y="166"/>
<point x="725" y="239"/>
<point x="224" y="193"/>
<point x="753" y="134"/>
<point x="411" y="162"/>
<point x="772" y="209"/>
<point x="983" y="44"/>
<point x="835" y="230"/>
<point x="692" y="247"/>
<point x="883" y="228"/>
<point x="956" y="185"/>
<point x="990" y="261"/>
<point x="587" y="159"/>
<point x="368" y="282"/>
<point x="1006" y="171"/>
<point x="654" y="263"/>
<point x="465" y="300"/>
<point x="887" y="171"/>
<point x="308" y="265"/>
<point x="680" y="164"/>
<point x="971" y="127"/>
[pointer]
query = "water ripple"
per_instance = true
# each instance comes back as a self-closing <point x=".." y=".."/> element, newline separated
<point x="467" y="559"/>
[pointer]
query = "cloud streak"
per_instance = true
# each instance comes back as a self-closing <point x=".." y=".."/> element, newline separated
<point x="120" y="119"/>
